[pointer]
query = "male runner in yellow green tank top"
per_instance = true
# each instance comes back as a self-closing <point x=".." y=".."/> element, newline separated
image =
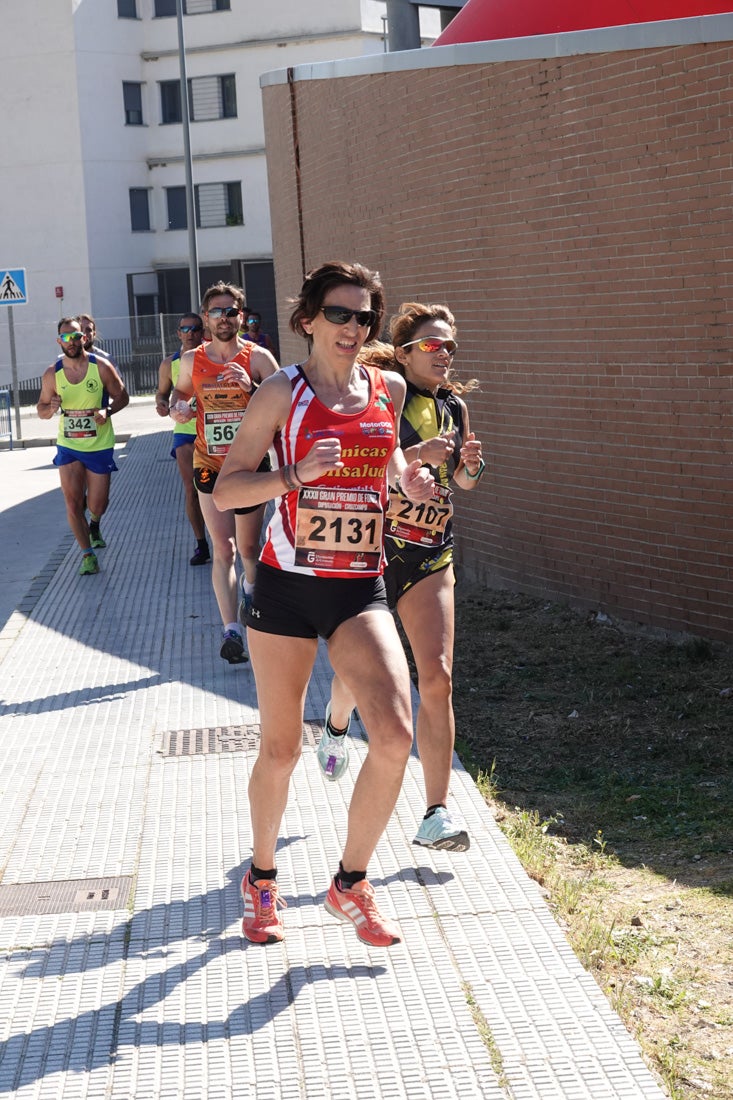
<point x="86" y="390"/>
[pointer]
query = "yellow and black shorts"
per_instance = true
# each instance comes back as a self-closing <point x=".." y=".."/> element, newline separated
<point x="406" y="565"/>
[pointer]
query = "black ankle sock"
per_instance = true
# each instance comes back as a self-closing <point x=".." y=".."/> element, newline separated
<point x="202" y="544"/>
<point x="431" y="809"/>
<point x="346" y="879"/>
<point x="256" y="875"/>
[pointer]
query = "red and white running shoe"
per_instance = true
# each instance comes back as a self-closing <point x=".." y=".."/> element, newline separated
<point x="359" y="906"/>
<point x="261" y="922"/>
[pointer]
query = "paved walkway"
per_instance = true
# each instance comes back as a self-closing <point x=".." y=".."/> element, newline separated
<point x="125" y="751"/>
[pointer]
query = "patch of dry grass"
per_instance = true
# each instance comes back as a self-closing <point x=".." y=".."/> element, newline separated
<point x="607" y="758"/>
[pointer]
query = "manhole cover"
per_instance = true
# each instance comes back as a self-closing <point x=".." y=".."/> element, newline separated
<point x="213" y="739"/>
<point x="65" y="896"/>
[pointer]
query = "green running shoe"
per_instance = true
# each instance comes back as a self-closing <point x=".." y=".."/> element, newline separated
<point x="89" y="564"/>
<point x="95" y="537"/>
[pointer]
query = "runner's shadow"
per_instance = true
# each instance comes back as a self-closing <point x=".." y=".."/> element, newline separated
<point x="145" y="590"/>
<point x="85" y="696"/>
<point x="98" y="1036"/>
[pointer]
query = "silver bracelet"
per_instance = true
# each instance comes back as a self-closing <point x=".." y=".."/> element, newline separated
<point x="286" y="474"/>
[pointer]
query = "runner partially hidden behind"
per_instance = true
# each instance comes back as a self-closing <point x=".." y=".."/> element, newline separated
<point x="86" y="389"/>
<point x="190" y="333"/>
<point x="223" y="375"/>
<point x="333" y="425"/>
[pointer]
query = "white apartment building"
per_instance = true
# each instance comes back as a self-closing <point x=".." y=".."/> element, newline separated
<point x="92" y="172"/>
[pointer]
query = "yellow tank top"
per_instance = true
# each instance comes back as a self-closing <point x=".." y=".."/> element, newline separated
<point x="78" y="430"/>
<point x="190" y="427"/>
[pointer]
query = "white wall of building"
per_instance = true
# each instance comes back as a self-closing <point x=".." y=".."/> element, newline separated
<point x="69" y="160"/>
<point x="42" y="209"/>
<point x="108" y="52"/>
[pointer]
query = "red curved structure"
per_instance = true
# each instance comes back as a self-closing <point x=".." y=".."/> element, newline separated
<point x="486" y="20"/>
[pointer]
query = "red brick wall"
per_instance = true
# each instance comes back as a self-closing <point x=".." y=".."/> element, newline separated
<point x="575" y="213"/>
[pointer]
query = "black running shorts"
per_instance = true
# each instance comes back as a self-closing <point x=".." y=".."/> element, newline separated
<point x="299" y="606"/>
<point x="205" y="479"/>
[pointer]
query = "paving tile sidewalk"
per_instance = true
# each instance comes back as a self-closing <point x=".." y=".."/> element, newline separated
<point x="125" y="752"/>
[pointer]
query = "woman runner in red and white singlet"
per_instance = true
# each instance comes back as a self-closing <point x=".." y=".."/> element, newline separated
<point x="332" y="423"/>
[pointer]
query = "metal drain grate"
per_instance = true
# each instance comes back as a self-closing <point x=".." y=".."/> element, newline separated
<point x="213" y="739"/>
<point x="67" y="896"/>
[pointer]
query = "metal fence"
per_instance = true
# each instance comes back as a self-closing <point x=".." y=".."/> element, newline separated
<point x="139" y="373"/>
<point x="138" y="356"/>
<point x="6" y="420"/>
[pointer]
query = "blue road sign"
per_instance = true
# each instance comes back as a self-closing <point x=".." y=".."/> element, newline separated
<point x="12" y="287"/>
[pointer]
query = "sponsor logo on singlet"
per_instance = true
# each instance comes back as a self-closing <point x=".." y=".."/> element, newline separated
<point x="378" y="427"/>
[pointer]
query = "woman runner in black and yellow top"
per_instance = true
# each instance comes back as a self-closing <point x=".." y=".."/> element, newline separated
<point x="419" y="548"/>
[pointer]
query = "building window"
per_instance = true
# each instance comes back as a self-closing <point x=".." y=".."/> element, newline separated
<point x="127" y="9"/>
<point x="170" y="101"/>
<point x="228" y="93"/>
<point x="191" y="7"/>
<point x="146" y="317"/>
<point x="209" y="97"/>
<point x="132" y="95"/>
<point x="176" y="199"/>
<point x="139" y="209"/>
<point x="212" y="97"/>
<point x="195" y="7"/>
<point x="217" y="204"/>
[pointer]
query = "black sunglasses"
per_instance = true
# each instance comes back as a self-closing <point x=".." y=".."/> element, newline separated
<point x="339" y="315"/>
<point x="218" y="312"/>
<point x="190" y="328"/>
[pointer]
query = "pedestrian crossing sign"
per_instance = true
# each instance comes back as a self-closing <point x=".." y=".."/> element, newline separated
<point x="12" y="287"/>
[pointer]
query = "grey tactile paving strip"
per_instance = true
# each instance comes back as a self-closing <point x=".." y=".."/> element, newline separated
<point x="166" y="999"/>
